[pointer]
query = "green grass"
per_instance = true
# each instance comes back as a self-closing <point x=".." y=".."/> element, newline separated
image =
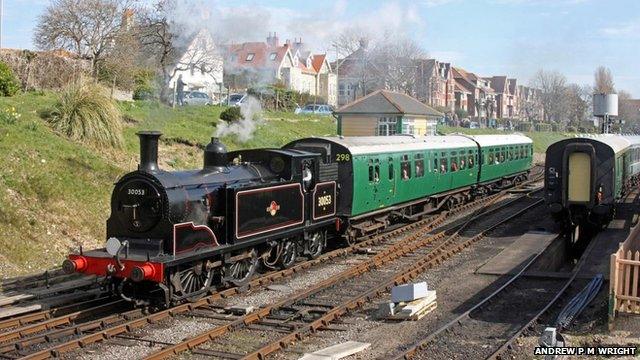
<point x="55" y="192"/>
<point x="541" y="140"/>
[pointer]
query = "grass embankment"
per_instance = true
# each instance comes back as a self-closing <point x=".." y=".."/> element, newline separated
<point x="55" y="193"/>
<point x="541" y="140"/>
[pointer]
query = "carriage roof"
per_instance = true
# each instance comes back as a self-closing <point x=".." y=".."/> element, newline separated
<point x="616" y="142"/>
<point x="359" y="145"/>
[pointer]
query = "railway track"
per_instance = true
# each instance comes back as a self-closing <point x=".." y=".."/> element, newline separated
<point x="489" y="328"/>
<point x="295" y="317"/>
<point x="41" y="335"/>
<point x="20" y="333"/>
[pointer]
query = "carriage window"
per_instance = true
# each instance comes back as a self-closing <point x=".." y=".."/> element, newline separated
<point x="454" y="164"/>
<point x="374" y="171"/>
<point x="390" y="168"/>
<point x="405" y="167"/>
<point x="470" y="162"/>
<point x="419" y="165"/>
<point x="443" y="166"/>
<point x="490" y="160"/>
<point x="436" y="165"/>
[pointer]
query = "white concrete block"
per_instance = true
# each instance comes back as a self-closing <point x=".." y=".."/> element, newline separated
<point x="408" y="292"/>
<point x="315" y="357"/>
<point x="548" y="337"/>
<point x="345" y="349"/>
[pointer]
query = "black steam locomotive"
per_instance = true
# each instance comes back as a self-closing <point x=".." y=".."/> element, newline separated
<point x="171" y="235"/>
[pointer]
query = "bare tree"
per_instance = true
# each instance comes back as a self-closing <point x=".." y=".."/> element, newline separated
<point x="121" y="63"/>
<point x="168" y="47"/>
<point x="603" y="83"/>
<point x="552" y="97"/>
<point x="395" y="57"/>
<point x="86" y="27"/>
<point x="627" y="111"/>
<point x="369" y="63"/>
<point x="350" y="40"/>
<point x="578" y="101"/>
<point x="355" y="65"/>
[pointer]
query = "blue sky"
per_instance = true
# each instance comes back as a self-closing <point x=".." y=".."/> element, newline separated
<point x="488" y="37"/>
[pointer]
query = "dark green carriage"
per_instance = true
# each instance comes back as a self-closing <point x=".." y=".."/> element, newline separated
<point x="380" y="174"/>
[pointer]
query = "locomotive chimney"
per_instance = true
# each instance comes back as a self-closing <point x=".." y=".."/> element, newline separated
<point x="148" y="150"/>
<point x="215" y="155"/>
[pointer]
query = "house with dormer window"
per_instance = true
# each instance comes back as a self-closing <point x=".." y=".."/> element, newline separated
<point x="255" y="64"/>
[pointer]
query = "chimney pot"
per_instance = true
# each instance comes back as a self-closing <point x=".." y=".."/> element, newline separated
<point x="148" y="150"/>
<point x="215" y="155"/>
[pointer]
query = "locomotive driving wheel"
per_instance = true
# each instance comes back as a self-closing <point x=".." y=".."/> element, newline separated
<point x="240" y="272"/>
<point x="289" y="254"/>
<point x="192" y="282"/>
<point x="315" y="245"/>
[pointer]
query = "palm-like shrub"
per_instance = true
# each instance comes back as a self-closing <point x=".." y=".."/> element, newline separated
<point x="84" y="111"/>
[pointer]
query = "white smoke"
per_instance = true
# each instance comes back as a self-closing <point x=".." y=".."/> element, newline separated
<point x="244" y="128"/>
<point x="238" y="23"/>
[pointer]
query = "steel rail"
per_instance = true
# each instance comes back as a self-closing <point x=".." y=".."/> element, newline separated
<point x="414" y="349"/>
<point x="433" y="258"/>
<point x="128" y="326"/>
<point x="576" y="270"/>
<point x="421" y="345"/>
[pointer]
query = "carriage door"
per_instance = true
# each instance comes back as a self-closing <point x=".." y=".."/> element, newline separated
<point x="579" y="179"/>
<point x="374" y="182"/>
<point x="391" y="176"/>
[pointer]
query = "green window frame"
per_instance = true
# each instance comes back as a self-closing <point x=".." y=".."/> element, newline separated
<point x="419" y="164"/>
<point x="405" y="167"/>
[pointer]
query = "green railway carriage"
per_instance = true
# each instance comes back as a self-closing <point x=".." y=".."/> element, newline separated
<point x="408" y="177"/>
<point x="585" y="176"/>
<point x="504" y="155"/>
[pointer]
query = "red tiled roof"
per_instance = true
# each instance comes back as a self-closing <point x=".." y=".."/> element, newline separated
<point x="318" y="60"/>
<point x="261" y="55"/>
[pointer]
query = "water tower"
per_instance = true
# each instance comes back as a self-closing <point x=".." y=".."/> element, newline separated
<point x="604" y="107"/>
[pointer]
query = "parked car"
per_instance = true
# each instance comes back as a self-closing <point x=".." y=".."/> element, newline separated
<point x="196" y="98"/>
<point x="315" y="109"/>
<point x="233" y="100"/>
